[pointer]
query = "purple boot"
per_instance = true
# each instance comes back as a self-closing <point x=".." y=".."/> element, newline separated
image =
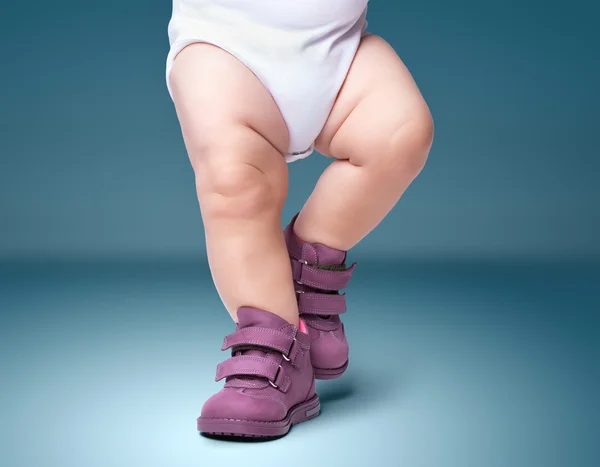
<point x="269" y="380"/>
<point x="320" y="273"/>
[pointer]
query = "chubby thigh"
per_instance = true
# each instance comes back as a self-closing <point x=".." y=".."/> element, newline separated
<point x="229" y="121"/>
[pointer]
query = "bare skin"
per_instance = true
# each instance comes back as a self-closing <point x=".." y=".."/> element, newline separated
<point x="380" y="131"/>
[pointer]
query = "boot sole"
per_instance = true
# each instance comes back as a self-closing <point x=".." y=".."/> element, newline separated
<point x="226" y="427"/>
<point x="325" y="373"/>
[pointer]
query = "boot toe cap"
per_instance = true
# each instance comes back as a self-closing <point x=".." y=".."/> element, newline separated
<point x="236" y="404"/>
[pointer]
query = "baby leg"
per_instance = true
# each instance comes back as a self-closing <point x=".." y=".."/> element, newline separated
<point x="235" y="137"/>
<point x="380" y="131"/>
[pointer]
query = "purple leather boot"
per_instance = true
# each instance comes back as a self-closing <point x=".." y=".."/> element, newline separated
<point x="269" y="380"/>
<point x="320" y="273"/>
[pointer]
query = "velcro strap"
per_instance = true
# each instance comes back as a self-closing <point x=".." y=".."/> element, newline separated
<point x="261" y="337"/>
<point x="248" y="365"/>
<point x="321" y="304"/>
<point x="324" y="279"/>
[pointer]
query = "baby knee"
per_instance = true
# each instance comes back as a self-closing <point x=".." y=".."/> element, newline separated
<point x="238" y="172"/>
<point x="235" y="189"/>
<point x="409" y="145"/>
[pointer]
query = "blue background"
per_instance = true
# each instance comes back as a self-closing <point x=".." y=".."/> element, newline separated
<point x="473" y="314"/>
<point x="93" y="162"/>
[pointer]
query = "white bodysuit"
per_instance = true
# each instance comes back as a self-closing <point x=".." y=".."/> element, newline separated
<point x="301" y="51"/>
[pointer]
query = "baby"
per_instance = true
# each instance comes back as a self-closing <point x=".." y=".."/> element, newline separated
<point x="257" y="85"/>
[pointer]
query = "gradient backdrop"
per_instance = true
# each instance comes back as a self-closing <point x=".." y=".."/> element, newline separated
<point x="474" y="311"/>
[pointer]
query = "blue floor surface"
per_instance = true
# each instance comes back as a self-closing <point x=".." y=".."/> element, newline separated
<point x="452" y="365"/>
